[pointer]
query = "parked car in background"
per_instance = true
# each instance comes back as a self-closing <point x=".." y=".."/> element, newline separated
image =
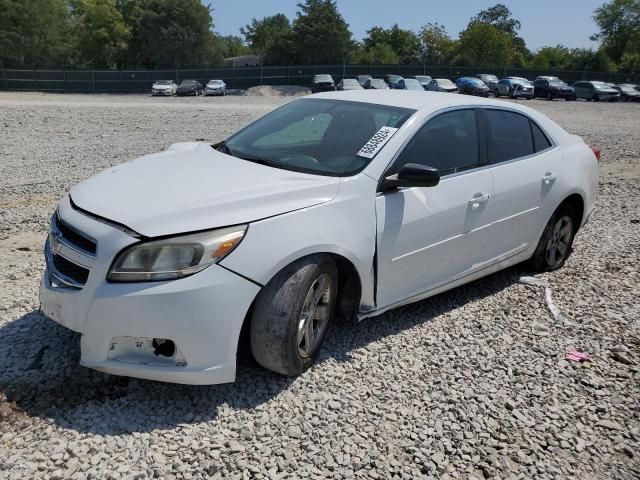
<point x="442" y="85"/>
<point x="163" y="263"/>
<point x="216" y="87"/>
<point x="410" y="84"/>
<point x="376" y="84"/>
<point x="362" y="79"/>
<point x="393" y="80"/>
<point x="189" y="87"/>
<point x="546" y="77"/>
<point x="164" y="87"/>
<point x="489" y="79"/>
<point x="322" y="83"/>
<point x="424" y="80"/>
<point x="628" y="92"/>
<point x="551" y="89"/>
<point x="349" y="84"/>
<point x="472" y="86"/>
<point x="514" y="87"/>
<point x="596" y="91"/>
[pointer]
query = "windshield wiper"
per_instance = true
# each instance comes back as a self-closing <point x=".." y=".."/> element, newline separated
<point x="222" y="147"/>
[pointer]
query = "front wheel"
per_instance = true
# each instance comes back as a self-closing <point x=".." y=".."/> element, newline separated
<point x="292" y="315"/>
<point x="555" y="244"/>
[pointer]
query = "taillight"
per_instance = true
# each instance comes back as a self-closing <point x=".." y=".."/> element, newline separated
<point x="597" y="151"/>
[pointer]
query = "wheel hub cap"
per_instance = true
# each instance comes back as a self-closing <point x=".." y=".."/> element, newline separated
<point x="314" y="317"/>
<point x="559" y="241"/>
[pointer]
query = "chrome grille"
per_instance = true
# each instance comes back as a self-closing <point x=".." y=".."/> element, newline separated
<point x="69" y="254"/>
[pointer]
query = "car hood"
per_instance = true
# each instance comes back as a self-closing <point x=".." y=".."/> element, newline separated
<point x="162" y="87"/>
<point x="193" y="187"/>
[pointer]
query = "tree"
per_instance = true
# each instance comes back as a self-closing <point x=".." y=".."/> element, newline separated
<point x="320" y="34"/>
<point x="551" y="58"/>
<point x="500" y="17"/>
<point x="619" y="22"/>
<point x="484" y="45"/>
<point x="378" y="54"/>
<point x="438" y="48"/>
<point x="174" y="33"/>
<point x="270" y="38"/>
<point x="34" y="33"/>
<point x="404" y="43"/>
<point x="100" y="32"/>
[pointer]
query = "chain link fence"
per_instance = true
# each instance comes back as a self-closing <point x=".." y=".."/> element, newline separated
<point x="128" y="81"/>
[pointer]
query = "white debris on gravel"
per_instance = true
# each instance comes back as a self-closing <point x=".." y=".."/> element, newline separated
<point x="457" y="386"/>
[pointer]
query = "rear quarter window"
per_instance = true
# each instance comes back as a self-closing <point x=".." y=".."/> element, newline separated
<point x="508" y="135"/>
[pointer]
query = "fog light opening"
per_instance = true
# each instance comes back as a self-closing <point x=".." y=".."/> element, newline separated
<point x="163" y="347"/>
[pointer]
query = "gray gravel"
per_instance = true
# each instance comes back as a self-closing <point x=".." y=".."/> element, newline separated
<point x="470" y="384"/>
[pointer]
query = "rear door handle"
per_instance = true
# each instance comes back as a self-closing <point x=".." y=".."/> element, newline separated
<point x="475" y="202"/>
<point x="548" y="178"/>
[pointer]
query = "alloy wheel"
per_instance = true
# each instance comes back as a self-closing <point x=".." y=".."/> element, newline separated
<point x="559" y="241"/>
<point x="314" y="318"/>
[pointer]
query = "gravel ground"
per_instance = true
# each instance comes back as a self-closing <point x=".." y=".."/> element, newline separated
<point x="469" y="384"/>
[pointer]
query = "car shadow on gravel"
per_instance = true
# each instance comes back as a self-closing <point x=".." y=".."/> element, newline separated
<point x="40" y="375"/>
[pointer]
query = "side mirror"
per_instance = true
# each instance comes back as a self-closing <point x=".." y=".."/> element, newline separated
<point x="411" y="175"/>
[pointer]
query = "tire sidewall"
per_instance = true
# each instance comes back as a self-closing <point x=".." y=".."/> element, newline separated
<point x="539" y="258"/>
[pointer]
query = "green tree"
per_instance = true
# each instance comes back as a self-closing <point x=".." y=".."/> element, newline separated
<point x="34" y="33"/>
<point x="101" y="33"/>
<point x="619" y="22"/>
<point x="378" y="54"/>
<point x="551" y="57"/>
<point x="501" y="17"/>
<point x="270" y="38"/>
<point x="174" y="33"/>
<point x="404" y="43"/>
<point x="320" y="34"/>
<point x="438" y="48"/>
<point x="484" y="45"/>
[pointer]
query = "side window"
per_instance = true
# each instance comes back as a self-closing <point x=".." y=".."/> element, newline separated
<point x="448" y="142"/>
<point x="540" y="140"/>
<point x="508" y="136"/>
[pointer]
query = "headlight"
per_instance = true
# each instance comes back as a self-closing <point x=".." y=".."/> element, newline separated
<point x="174" y="257"/>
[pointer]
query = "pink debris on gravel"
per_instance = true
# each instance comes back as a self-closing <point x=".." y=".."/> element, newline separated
<point x="576" y="356"/>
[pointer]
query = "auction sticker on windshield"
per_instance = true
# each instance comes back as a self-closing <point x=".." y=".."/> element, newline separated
<point x="375" y="143"/>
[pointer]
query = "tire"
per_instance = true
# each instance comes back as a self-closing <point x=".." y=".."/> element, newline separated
<point x="280" y="338"/>
<point x="556" y="242"/>
<point x="549" y="96"/>
<point x="596" y="98"/>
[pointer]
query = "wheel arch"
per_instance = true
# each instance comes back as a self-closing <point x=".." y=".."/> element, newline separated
<point x="350" y="288"/>
<point x="577" y="204"/>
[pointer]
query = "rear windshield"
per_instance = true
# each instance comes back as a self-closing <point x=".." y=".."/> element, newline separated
<point x="317" y="136"/>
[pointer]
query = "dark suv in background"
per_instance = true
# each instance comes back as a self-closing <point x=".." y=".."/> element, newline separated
<point x="550" y="89"/>
<point x="322" y="83"/>
<point x="489" y="80"/>
<point x="393" y="81"/>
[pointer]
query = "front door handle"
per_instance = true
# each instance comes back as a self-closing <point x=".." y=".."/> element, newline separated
<point x="548" y="178"/>
<point x="475" y="202"/>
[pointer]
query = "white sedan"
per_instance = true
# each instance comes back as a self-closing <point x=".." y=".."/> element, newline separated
<point x="338" y="205"/>
<point x="215" y="87"/>
<point x="164" y="87"/>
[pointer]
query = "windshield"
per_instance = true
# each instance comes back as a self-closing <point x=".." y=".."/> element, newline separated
<point x="557" y="83"/>
<point x="394" y="78"/>
<point x="163" y="82"/>
<point x="627" y="88"/>
<point x="215" y="82"/>
<point x="412" y="83"/>
<point x="378" y="83"/>
<point x="445" y="82"/>
<point x="473" y="81"/>
<point x="317" y="136"/>
<point x="423" y="79"/>
<point x="322" y="78"/>
<point x="600" y="85"/>
<point x="350" y="81"/>
<point x="188" y="82"/>
<point x="489" y="78"/>
<point x="522" y="81"/>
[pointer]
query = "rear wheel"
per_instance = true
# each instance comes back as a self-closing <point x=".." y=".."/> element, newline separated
<point x="549" y="96"/>
<point x="292" y="314"/>
<point x="596" y="98"/>
<point x="555" y="244"/>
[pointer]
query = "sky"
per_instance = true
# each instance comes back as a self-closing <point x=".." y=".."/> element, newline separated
<point x="544" y="22"/>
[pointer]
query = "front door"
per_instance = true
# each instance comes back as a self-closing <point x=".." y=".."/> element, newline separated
<point x="429" y="236"/>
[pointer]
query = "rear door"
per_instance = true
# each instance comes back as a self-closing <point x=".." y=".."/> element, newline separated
<point x="429" y="236"/>
<point x="524" y="167"/>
